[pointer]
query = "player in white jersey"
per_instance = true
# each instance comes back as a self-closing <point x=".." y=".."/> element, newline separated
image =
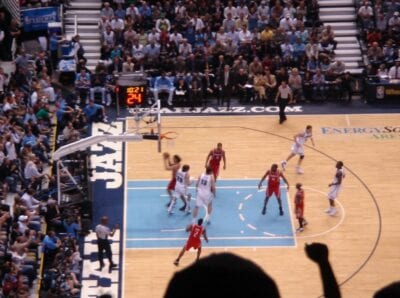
<point x="181" y="189"/>
<point x="334" y="188"/>
<point x="205" y="193"/>
<point x="298" y="148"/>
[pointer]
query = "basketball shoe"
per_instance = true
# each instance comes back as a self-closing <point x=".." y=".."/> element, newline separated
<point x="283" y="164"/>
<point x="299" y="170"/>
<point x="333" y="212"/>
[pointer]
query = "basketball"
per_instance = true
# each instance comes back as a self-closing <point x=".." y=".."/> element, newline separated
<point x="165" y="155"/>
<point x="188" y="227"/>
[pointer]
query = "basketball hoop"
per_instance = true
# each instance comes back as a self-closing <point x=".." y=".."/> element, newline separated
<point x="170" y="137"/>
<point x="151" y="116"/>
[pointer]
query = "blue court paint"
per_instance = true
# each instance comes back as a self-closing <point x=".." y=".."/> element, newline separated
<point x="236" y="220"/>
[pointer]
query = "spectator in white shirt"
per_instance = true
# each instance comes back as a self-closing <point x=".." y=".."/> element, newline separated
<point x="175" y="37"/>
<point x="242" y="9"/>
<point x="185" y="48"/>
<point x="394" y="71"/>
<point x="132" y="11"/>
<point x="10" y="148"/>
<point x="338" y="68"/>
<point x="221" y="36"/>
<point x="153" y="36"/>
<point x="118" y="26"/>
<point x="31" y="171"/>
<point x="287" y="50"/>
<point x="365" y="14"/>
<point x="103" y="23"/>
<point x="163" y="24"/>
<point x="230" y="10"/>
<point x="394" y="22"/>
<point x="263" y="10"/>
<point x="197" y="23"/>
<point x="245" y="35"/>
<point x="109" y="37"/>
<point x="137" y="51"/>
<point x="289" y="9"/>
<point x="29" y="200"/>
<point x="286" y="23"/>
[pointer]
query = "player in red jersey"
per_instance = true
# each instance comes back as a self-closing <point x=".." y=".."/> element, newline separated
<point x="299" y="207"/>
<point x="172" y="166"/>
<point x="273" y="187"/>
<point x="214" y="159"/>
<point x="194" y="240"/>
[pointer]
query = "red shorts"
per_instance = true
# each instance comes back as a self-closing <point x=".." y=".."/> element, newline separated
<point x="215" y="169"/>
<point x="299" y="210"/>
<point x="192" y="244"/>
<point x="171" y="184"/>
<point x="273" y="190"/>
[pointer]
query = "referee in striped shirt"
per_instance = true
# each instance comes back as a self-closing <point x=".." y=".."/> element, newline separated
<point x="103" y="232"/>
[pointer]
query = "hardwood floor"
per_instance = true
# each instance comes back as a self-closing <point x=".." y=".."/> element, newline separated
<point x="363" y="239"/>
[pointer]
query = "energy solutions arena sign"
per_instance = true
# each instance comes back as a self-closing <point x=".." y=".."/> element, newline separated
<point x="383" y="132"/>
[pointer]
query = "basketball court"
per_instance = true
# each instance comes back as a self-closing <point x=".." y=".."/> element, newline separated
<point x="362" y="238"/>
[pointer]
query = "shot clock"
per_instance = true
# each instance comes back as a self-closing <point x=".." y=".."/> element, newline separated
<point x="132" y="89"/>
<point x="133" y="95"/>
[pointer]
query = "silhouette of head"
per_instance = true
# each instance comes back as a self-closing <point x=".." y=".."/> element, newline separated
<point x="223" y="275"/>
<point x="389" y="291"/>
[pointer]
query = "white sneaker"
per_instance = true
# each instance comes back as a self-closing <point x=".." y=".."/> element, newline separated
<point x="299" y="230"/>
<point x="328" y="210"/>
<point x="299" y="170"/>
<point x="333" y="212"/>
<point x="171" y="207"/>
<point x="283" y="164"/>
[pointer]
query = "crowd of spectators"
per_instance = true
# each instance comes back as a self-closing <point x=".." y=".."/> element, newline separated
<point x="34" y="229"/>
<point x="380" y="24"/>
<point x="27" y="184"/>
<point x="186" y="47"/>
<point x="29" y="225"/>
<point x="195" y="52"/>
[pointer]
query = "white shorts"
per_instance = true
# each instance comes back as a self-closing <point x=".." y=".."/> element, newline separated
<point x="334" y="192"/>
<point x="297" y="149"/>
<point x="180" y="191"/>
<point x="203" y="200"/>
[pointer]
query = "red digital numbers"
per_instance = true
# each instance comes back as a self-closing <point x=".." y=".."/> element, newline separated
<point x="134" y="95"/>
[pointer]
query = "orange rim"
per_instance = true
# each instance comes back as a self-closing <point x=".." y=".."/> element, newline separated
<point x="169" y="135"/>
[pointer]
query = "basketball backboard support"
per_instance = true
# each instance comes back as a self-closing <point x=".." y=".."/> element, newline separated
<point x="147" y="122"/>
